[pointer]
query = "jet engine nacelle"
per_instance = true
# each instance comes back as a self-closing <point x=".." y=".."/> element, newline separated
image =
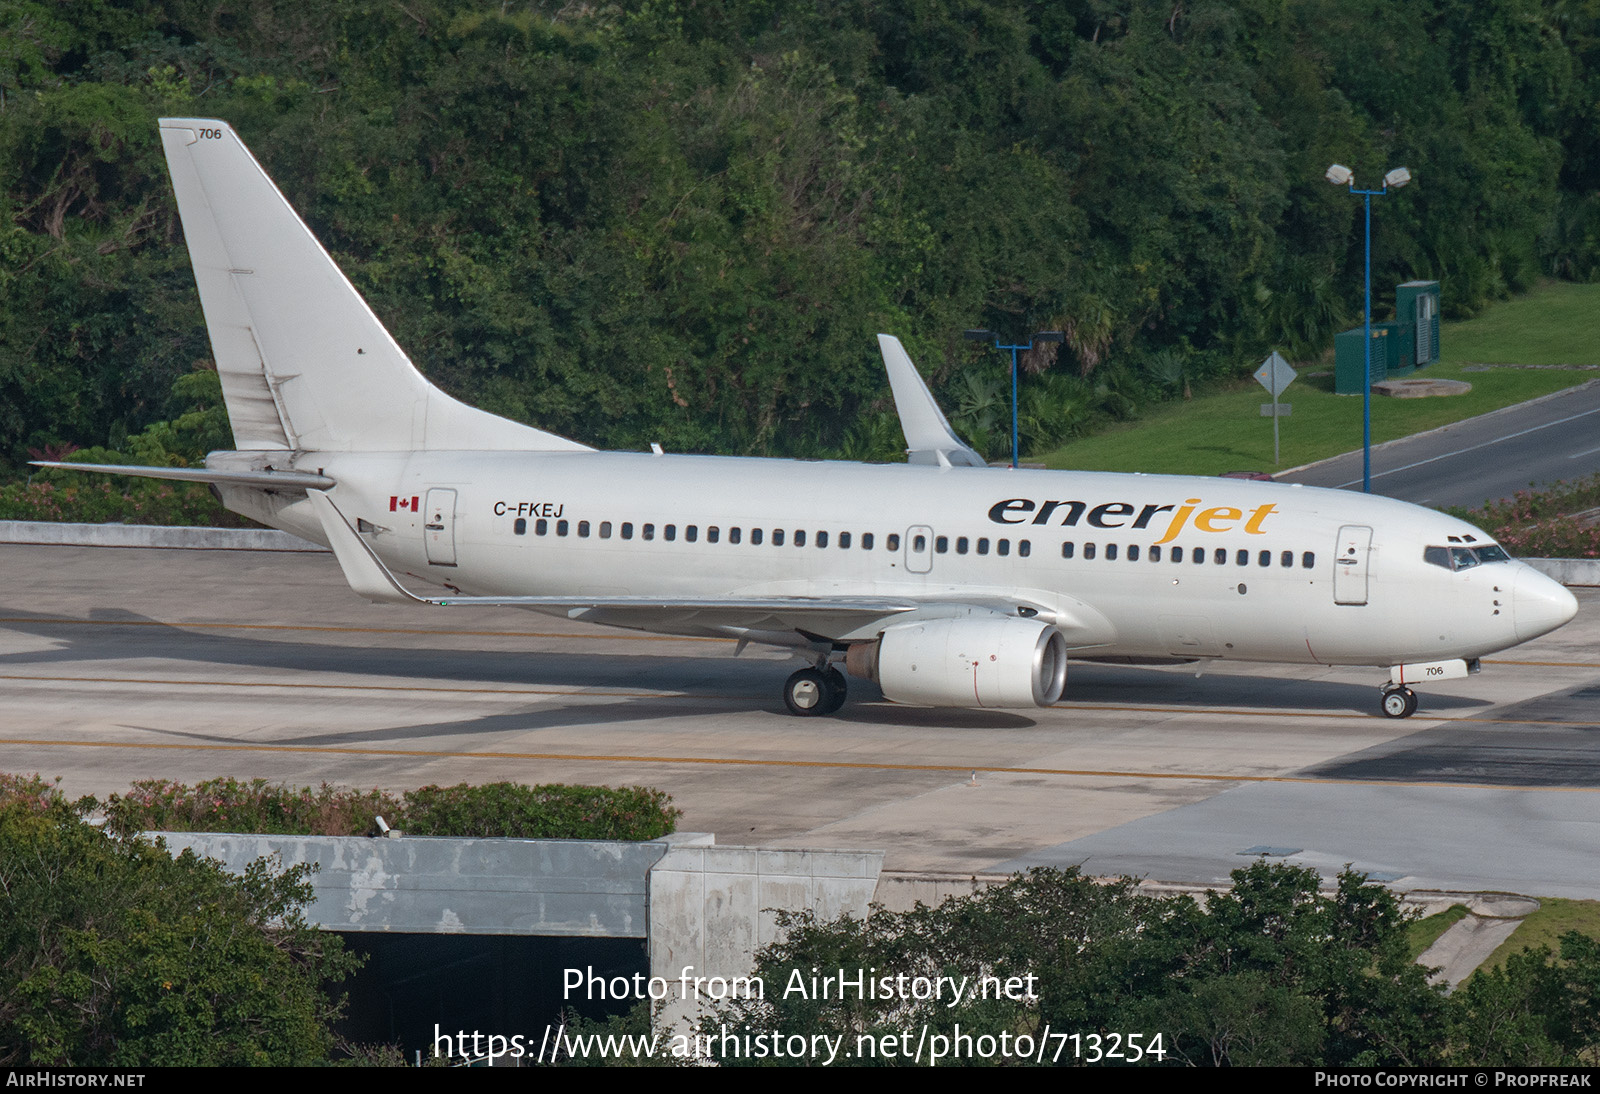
<point x="1001" y="661"/>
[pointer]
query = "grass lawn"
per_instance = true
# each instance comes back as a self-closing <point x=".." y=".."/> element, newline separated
<point x="1556" y="323"/>
<point x="1545" y="927"/>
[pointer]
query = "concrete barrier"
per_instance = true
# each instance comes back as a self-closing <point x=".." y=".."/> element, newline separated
<point x="1569" y="571"/>
<point x="152" y="535"/>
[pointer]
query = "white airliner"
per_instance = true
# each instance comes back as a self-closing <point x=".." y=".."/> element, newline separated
<point x="947" y="583"/>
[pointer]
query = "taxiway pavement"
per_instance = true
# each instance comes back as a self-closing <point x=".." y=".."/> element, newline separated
<point x="121" y="664"/>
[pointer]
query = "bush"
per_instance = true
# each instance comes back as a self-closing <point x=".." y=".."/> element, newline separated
<point x="228" y="805"/>
<point x="1544" y="523"/>
<point x="495" y="810"/>
<point x="540" y="812"/>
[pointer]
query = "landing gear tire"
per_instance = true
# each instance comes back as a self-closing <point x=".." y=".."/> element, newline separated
<point x="810" y="692"/>
<point x="1399" y="703"/>
<point x="838" y="690"/>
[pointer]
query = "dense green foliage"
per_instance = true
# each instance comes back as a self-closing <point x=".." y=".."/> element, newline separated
<point x="683" y="222"/>
<point x="1560" y="521"/>
<point x="115" y="953"/>
<point x="540" y="812"/>
<point x="1271" y="971"/>
<point x="510" y="810"/>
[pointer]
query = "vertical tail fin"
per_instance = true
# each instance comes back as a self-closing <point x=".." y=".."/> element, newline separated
<point x="305" y="364"/>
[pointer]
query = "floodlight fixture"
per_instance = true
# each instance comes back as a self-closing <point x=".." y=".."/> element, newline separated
<point x="1339" y="175"/>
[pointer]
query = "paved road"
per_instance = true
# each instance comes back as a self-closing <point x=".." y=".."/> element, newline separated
<point x="1488" y="457"/>
<point x="122" y="664"/>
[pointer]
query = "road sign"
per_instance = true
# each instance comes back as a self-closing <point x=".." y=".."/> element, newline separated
<point x="1275" y="374"/>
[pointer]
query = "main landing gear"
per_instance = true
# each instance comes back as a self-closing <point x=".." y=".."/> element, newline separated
<point x="815" y="691"/>
<point x="1399" y="701"/>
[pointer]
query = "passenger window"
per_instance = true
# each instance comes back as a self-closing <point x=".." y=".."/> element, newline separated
<point x="941" y="544"/>
<point x="755" y="537"/>
<point x="1002" y="546"/>
<point x="1198" y="556"/>
<point x="1264" y="558"/>
<point x="866" y="541"/>
<point x="1088" y="550"/>
<point x="541" y="526"/>
<point x="1242" y="558"/>
<point x="962" y="544"/>
<point x="691" y="532"/>
<point x="983" y="545"/>
<point x="822" y="539"/>
<point x="583" y="529"/>
<point x="844" y="541"/>
<point x="670" y="532"/>
<point x="627" y="529"/>
<point x="1220" y="556"/>
<point x="520" y="527"/>
<point x="1155" y="554"/>
<point x="893" y="542"/>
<point x="800" y="537"/>
<point x="1133" y="552"/>
<point x="1067" y="549"/>
<point x="1177" y="554"/>
<point x="648" y="532"/>
<point x="1308" y="561"/>
<point x="561" y="527"/>
<point x="919" y="544"/>
<point x="734" y="534"/>
<point x="605" y="529"/>
<point x="1286" y="560"/>
<point x="777" y="537"/>
<point x="1024" y="548"/>
<point x="1111" y="552"/>
<point x="713" y="533"/>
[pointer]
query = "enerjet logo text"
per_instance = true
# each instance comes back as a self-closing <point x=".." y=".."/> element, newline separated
<point x="1115" y="514"/>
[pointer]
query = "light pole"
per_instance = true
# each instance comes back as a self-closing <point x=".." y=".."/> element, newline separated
<point x="1039" y="336"/>
<point x="1340" y="175"/>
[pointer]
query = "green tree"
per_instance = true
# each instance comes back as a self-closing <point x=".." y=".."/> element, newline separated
<point x="116" y="953"/>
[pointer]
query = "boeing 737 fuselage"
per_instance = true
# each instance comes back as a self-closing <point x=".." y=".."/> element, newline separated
<point x="947" y="583"/>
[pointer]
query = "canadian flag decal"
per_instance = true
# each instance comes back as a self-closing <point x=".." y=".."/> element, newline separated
<point x="409" y="504"/>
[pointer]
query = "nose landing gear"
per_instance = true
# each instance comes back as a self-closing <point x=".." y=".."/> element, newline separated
<point x="1399" y="701"/>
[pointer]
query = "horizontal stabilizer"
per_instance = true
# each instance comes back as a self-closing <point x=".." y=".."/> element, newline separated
<point x="264" y="480"/>
<point x="929" y="438"/>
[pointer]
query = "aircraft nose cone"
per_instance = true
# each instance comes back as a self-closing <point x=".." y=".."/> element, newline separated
<point x="1539" y="605"/>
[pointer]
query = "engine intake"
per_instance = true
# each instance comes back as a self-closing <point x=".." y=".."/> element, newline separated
<point x="1001" y="661"/>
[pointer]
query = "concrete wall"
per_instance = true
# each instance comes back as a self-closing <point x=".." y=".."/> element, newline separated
<point x="698" y="905"/>
<point x="1568" y="571"/>
<point x="422" y="885"/>
<point x="151" y="535"/>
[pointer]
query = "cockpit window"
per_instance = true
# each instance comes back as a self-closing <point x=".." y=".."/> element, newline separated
<point x="1464" y="558"/>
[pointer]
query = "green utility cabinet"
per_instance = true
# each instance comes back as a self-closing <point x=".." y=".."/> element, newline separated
<point x="1349" y="362"/>
<point x="1417" y="303"/>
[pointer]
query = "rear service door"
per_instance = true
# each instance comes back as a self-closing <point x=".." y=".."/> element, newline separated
<point x="439" y="526"/>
